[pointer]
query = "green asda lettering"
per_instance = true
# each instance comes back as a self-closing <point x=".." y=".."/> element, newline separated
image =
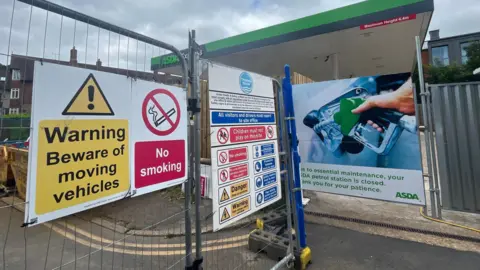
<point x="405" y="195"/>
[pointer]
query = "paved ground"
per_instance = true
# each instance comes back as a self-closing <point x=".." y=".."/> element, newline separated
<point x="336" y="248"/>
<point x="333" y="248"/>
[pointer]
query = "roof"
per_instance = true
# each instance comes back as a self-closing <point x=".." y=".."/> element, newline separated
<point x="463" y="36"/>
<point x="330" y="21"/>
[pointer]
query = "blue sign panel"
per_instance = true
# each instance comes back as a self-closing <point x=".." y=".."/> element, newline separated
<point x="266" y="195"/>
<point x="266" y="179"/>
<point x="264" y="165"/>
<point x="268" y="164"/>
<point x="225" y="118"/>
<point x="262" y="150"/>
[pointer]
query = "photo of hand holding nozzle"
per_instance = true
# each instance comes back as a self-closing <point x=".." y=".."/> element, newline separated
<point x="359" y="118"/>
<point x="401" y="100"/>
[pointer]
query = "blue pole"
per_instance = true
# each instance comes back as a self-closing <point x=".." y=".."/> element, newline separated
<point x="292" y="130"/>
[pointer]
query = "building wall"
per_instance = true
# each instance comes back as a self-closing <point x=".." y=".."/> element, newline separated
<point x="24" y="102"/>
<point x="454" y="49"/>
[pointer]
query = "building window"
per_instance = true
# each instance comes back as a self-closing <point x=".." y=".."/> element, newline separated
<point x="13" y="111"/>
<point x="2" y="79"/>
<point x="464" y="47"/>
<point x="440" y="56"/>
<point x="15" y="74"/>
<point x="14" y="93"/>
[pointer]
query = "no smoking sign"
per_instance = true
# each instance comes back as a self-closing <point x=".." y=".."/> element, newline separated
<point x="161" y="112"/>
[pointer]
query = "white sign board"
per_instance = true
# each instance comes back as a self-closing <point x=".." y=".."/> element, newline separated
<point x="79" y="141"/>
<point x="245" y="163"/>
<point x="373" y="153"/>
<point x="159" y="135"/>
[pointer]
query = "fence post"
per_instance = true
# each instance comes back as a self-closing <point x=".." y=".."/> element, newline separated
<point x="426" y="123"/>
<point x="290" y="120"/>
<point x="194" y="105"/>
<point x="288" y="176"/>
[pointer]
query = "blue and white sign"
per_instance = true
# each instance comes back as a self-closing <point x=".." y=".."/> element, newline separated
<point x="262" y="150"/>
<point x="242" y="111"/>
<point x="246" y="82"/>
<point x="266" y="195"/>
<point x="265" y="180"/>
<point x="241" y="118"/>
<point x="264" y="165"/>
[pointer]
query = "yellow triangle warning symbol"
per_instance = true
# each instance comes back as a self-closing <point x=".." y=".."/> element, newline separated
<point x="225" y="215"/>
<point x="224" y="196"/>
<point x="89" y="100"/>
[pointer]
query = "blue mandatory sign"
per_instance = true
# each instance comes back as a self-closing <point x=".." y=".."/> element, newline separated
<point x="267" y="195"/>
<point x="258" y="182"/>
<point x="258" y="166"/>
<point x="264" y="165"/>
<point x="264" y="150"/>
<point x="224" y="118"/>
<point x="246" y="82"/>
<point x="259" y="198"/>
<point x="266" y="179"/>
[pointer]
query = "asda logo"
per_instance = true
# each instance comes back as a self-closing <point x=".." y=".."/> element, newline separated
<point x="408" y="196"/>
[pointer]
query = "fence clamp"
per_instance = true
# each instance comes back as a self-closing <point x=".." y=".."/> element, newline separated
<point x="193" y="105"/>
<point x="32" y="221"/>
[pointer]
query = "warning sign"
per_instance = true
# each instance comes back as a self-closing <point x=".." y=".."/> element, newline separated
<point x="161" y="112"/>
<point x="89" y="100"/>
<point x="159" y="132"/>
<point x="235" y="209"/>
<point x="270" y="132"/>
<point x="225" y="196"/>
<point x="244" y="146"/>
<point x="233" y="191"/>
<point x="240" y="206"/>
<point x="227" y="156"/>
<point x="222" y="136"/>
<point x="80" y="161"/>
<point x="241" y="134"/>
<point x="225" y="215"/>
<point x="233" y="173"/>
<point x="159" y="162"/>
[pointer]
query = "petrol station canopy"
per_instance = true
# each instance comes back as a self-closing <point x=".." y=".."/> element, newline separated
<point x="368" y="38"/>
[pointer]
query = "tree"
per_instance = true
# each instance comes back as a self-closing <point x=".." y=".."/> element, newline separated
<point x="473" y="54"/>
<point x="454" y="73"/>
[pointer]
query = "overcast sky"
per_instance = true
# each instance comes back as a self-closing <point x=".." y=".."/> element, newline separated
<point x="169" y="20"/>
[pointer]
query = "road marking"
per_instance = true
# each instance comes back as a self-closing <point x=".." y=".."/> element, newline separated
<point x="107" y="247"/>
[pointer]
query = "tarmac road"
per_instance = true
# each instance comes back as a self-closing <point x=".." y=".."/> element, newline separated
<point x="332" y="248"/>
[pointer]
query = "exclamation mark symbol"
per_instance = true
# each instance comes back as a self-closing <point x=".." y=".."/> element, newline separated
<point x="91" y="90"/>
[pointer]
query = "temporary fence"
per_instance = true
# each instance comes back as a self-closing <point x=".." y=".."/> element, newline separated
<point x="152" y="231"/>
<point x="454" y="118"/>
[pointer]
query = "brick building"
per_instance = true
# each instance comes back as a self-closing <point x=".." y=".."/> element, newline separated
<point x="17" y="99"/>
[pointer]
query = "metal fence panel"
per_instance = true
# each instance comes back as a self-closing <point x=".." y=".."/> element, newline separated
<point x="456" y="113"/>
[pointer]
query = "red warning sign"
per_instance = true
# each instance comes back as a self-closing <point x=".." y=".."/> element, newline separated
<point x="223" y="175"/>
<point x="246" y="134"/>
<point x="158" y="162"/>
<point x="222" y="136"/>
<point x="233" y="173"/>
<point x="161" y="112"/>
<point x="270" y="132"/>
<point x="228" y="156"/>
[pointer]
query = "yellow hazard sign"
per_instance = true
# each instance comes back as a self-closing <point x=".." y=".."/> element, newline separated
<point x="237" y="190"/>
<point x="80" y="161"/>
<point x="225" y="196"/>
<point x="89" y="100"/>
<point x="225" y="215"/>
<point x="241" y="206"/>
